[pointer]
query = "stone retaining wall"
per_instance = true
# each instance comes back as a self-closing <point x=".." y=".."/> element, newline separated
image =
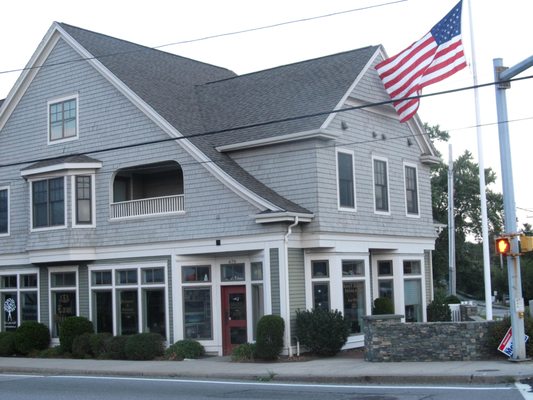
<point x="388" y="339"/>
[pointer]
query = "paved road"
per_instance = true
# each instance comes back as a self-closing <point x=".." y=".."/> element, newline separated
<point x="23" y="387"/>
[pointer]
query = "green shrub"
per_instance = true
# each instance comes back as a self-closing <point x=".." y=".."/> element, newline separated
<point x="31" y="336"/>
<point x="323" y="332"/>
<point x="438" y="310"/>
<point x="243" y="352"/>
<point x="116" y="348"/>
<point x="81" y="347"/>
<point x="7" y="344"/>
<point x="99" y="343"/>
<point x="51" y="352"/>
<point x="144" y="346"/>
<point x="452" y="299"/>
<point x="382" y="306"/>
<point x="187" y="348"/>
<point x="72" y="327"/>
<point x="269" y="343"/>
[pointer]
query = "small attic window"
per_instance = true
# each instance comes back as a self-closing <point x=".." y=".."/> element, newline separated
<point x="63" y="119"/>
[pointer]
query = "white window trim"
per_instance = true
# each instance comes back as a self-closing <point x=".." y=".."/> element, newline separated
<point x="407" y="213"/>
<point x="376" y="211"/>
<point x="65" y="204"/>
<point x="51" y="290"/>
<point x="344" y="208"/>
<point x="74" y="203"/>
<point x="114" y="287"/>
<point x="421" y="277"/>
<point x="3" y="234"/>
<point x="19" y="290"/>
<point x="60" y="100"/>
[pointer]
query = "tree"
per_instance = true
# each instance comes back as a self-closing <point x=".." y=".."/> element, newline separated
<point x="467" y="217"/>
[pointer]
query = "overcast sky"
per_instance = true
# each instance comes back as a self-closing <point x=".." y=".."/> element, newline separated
<point x="501" y="30"/>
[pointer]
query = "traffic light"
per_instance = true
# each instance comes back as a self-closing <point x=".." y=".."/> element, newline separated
<point x="526" y="243"/>
<point x="503" y="246"/>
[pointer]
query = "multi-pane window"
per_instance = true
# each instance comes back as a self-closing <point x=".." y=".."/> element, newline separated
<point x="197" y="313"/>
<point x="353" y="294"/>
<point x="48" y="197"/>
<point x="412" y="270"/>
<point x="381" y="192"/>
<point x="83" y="200"/>
<point x="4" y="211"/>
<point x="19" y="297"/>
<point x="320" y="284"/>
<point x="63" y="291"/>
<point x="411" y="190"/>
<point x="385" y="279"/>
<point x="345" y="173"/>
<point x="62" y="117"/>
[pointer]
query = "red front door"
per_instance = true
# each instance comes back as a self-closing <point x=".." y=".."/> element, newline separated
<point x="233" y="317"/>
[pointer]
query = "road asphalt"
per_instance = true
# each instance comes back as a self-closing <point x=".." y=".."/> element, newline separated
<point x="342" y="369"/>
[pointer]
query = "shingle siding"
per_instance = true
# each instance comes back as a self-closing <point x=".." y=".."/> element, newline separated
<point x="274" y="281"/>
<point x="296" y="285"/>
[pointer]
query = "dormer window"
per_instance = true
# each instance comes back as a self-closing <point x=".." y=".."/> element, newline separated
<point x="63" y="120"/>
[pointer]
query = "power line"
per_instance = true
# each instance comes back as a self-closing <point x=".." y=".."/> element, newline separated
<point x="209" y="37"/>
<point x="260" y="124"/>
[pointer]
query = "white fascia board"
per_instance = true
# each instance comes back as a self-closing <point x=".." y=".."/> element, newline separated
<point x="282" y="217"/>
<point x="199" y="156"/>
<point x="28" y="74"/>
<point x="14" y="259"/>
<point x="62" y="167"/>
<point x="314" y="134"/>
<point x="57" y="255"/>
<point x="342" y="101"/>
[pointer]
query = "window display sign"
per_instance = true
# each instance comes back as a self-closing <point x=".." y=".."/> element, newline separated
<point x="10" y="313"/>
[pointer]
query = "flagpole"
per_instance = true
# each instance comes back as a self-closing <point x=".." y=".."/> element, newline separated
<point x="482" y="189"/>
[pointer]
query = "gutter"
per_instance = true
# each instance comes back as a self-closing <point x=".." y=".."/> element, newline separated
<point x="287" y="299"/>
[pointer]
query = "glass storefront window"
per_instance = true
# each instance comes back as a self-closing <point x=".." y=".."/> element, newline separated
<point x="258" y="306"/>
<point x="9" y="281"/>
<point x="19" y="300"/>
<point x="103" y="311"/>
<point x="153" y="275"/>
<point x="63" y="306"/>
<point x="127" y="277"/>
<point x="127" y="312"/>
<point x="353" y="268"/>
<point x="413" y="300"/>
<point x="101" y="277"/>
<point x="319" y="269"/>
<point x="196" y="273"/>
<point x="257" y="271"/>
<point x="354" y="305"/>
<point x="232" y="272"/>
<point x="197" y="313"/>
<point x="386" y="289"/>
<point x="412" y="267"/>
<point x="28" y="306"/>
<point x="63" y="279"/>
<point x="10" y="314"/>
<point x="154" y="311"/>
<point x="321" y="295"/>
<point x="28" y="281"/>
<point x="384" y="268"/>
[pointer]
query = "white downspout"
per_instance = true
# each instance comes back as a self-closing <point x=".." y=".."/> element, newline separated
<point x="287" y="300"/>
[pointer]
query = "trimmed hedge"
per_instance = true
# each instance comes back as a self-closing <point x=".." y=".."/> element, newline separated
<point x="116" y="348"/>
<point x="7" y="344"/>
<point x="323" y="332"/>
<point x="438" y="310"/>
<point x="144" y="346"/>
<point x="269" y="343"/>
<point x="72" y="327"/>
<point x="187" y="348"/>
<point x="31" y="336"/>
<point x="99" y="343"/>
<point x="383" y="306"/>
<point x="81" y="346"/>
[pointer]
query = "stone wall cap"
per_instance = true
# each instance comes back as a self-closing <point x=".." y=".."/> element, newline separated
<point x="383" y="317"/>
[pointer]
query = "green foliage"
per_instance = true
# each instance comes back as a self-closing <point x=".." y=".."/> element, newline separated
<point x="323" y="332"/>
<point x="31" y="336"/>
<point x="498" y="330"/>
<point x="438" y="310"/>
<point x="116" y="348"/>
<point x="81" y="347"/>
<point x="243" y="352"/>
<point x="269" y="343"/>
<point x="144" y="346"/>
<point x="452" y="299"/>
<point x="187" y="348"/>
<point x="382" y="305"/>
<point x="51" y="352"/>
<point x="72" y="327"/>
<point x="7" y="344"/>
<point x="99" y="343"/>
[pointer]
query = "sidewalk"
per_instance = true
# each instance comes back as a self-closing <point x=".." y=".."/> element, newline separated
<point x="329" y="370"/>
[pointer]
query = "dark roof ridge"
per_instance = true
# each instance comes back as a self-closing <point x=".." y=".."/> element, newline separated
<point x="143" y="47"/>
<point x="290" y="64"/>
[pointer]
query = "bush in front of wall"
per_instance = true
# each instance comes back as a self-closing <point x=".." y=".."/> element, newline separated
<point x="383" y="306"/>
<point x="99" y="343"/>
<point x="116" y="348"/>
<point x="31" y="336"/>
<point x="452" y="299"/>
<point x="7" y="344"/>
<point x="72" y="327"/>
<point x="243" y="352"/>
<point x="269" y="343"/>
<point x="323" y="332"/>
<point x="144" y="346"/>
<point x="186" y="348"/>
<point x="438" y="310"/>
<point x="81" y="346"/>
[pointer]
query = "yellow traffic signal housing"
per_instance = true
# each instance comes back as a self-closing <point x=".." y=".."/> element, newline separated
<point x="503" y="245"/>
<point x="526" y="243"/>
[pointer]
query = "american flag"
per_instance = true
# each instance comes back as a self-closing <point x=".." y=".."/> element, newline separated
<point x="431" y="59"/>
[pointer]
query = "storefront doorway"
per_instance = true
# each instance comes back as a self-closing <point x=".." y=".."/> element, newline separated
<point x="234" y="330"/>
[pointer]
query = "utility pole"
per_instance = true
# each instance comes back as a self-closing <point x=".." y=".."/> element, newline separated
<point x="452" y="286"/>
<point x="502" y="75"/>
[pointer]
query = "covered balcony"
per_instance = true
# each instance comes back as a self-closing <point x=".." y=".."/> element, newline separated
<point x="148" y="190"/>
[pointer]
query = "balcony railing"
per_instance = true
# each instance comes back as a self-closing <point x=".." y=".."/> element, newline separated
<point x="151" y="206"/>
